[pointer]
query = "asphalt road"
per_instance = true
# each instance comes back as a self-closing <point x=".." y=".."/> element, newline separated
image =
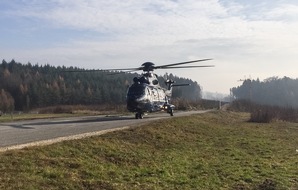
<point x="20" y="134"/>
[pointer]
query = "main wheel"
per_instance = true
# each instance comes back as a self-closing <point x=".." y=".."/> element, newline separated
<point x="170" y="111"/>
<point x="139" y="115"/>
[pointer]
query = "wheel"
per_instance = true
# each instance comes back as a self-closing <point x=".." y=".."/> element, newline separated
<point x="170" y="111"/>
<point x="139" y="115"/>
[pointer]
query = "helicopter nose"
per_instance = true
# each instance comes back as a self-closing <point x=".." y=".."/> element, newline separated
<point x="135" y="98"/>
<point x="135" y="104"/>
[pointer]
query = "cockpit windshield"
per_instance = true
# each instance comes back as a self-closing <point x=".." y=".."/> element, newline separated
<point x="136" y="90"/>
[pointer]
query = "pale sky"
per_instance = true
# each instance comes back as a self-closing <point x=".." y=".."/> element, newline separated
<point x="245" y="38"/>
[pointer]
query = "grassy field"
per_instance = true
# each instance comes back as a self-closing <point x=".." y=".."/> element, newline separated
<point x="218" y="150"/>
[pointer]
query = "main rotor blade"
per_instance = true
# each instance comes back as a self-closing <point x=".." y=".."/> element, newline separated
<point x="125" y="69"/>
<point x="181" y="67"/>
<point x="84" y="71"/>
<point x="181" y="63"/>
<point x="144" y="68"/>
<point x="104" y="70"/>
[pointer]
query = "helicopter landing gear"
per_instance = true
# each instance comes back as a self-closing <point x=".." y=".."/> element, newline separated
<point x="139" y="115"/>
<point x="170" y="111"/>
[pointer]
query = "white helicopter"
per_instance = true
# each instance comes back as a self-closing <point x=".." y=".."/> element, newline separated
<point x="146" y="95"/>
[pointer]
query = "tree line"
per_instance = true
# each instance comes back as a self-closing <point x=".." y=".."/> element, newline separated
<point x="27" y="86"/>
<point x="273" y="91"/>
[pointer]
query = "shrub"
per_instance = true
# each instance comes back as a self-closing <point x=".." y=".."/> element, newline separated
<point x="183" y="104"/>
<point x="265" y="113"/>
<point x="262" y="116"/>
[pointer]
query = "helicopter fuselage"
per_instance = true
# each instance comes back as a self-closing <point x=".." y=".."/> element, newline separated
<point x="145" y="95"/>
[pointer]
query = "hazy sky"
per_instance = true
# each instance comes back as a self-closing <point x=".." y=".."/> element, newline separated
<point x="246" y="38"/>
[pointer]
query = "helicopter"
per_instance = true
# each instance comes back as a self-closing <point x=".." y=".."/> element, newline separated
<point x="146" y="95"/>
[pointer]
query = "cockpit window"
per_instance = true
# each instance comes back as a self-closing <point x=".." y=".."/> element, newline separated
<point x="136" y="90"/>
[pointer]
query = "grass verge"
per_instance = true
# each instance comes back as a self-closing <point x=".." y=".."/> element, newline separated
<point x="218" y="150"/>
<point x="64" y="111"/>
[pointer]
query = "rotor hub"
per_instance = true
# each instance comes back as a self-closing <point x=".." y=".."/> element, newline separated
<point x="148" y="66"/>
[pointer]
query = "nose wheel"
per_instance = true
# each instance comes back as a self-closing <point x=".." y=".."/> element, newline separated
<point x="139" y="115"/>
<point x="170" y="111"/>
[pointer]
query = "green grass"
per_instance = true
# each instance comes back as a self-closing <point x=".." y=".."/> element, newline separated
<point x="218" y="150"/>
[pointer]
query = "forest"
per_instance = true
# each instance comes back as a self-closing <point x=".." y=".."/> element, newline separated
<point x="24" y="87"/>
<point x="274" y="91"/>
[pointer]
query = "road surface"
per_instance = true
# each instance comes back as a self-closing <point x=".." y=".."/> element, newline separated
<point x="20" y="134"/>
